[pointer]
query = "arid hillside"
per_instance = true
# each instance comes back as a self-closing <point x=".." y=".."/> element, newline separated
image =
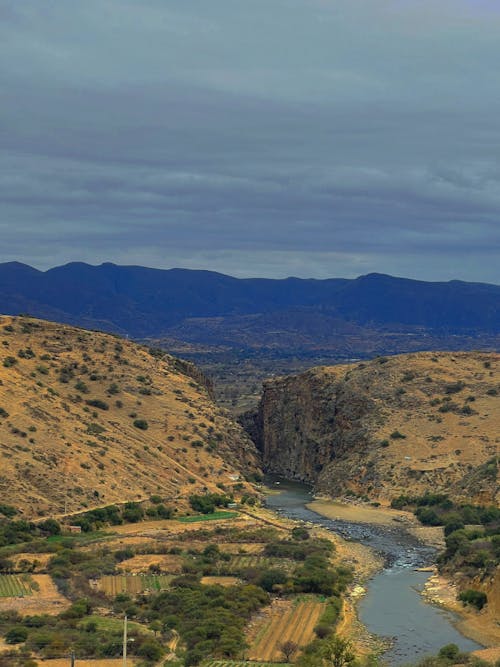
<point x="88" y="419"/>
<point x="402" y="424"/>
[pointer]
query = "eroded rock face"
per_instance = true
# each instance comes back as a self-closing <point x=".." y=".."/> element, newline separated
<point x="417" y="422"/>
<point x="308" y="421"/>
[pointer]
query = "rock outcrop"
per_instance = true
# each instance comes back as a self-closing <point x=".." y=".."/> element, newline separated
<point x="424" y="421"/>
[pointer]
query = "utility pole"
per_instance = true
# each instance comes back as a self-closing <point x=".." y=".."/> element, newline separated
<point x="125" y="641"/>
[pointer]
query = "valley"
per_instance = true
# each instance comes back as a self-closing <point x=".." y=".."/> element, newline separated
<point x="126" y="490"/>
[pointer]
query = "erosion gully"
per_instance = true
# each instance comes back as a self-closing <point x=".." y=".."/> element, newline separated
<point x="392" y="607"/>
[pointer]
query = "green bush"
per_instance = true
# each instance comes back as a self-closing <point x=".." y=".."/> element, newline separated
<point x="476" y="598"/>
<point x="141" y="424"/>
<point x="97" y="403"/>
<point x="16" y="635"/>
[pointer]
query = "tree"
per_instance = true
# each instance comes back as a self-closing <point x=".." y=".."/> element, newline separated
<point x="288" y="648"/>
<point x="337" y="652"/>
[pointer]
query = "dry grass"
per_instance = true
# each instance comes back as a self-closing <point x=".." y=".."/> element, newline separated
<point x="58" y="452"/>
<point x="38" y="560"/>
<point x="142" y="563"/>
<point x="447" y="407"/>
<point x="220" y="581"/>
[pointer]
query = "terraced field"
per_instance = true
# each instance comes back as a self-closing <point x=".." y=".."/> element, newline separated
<point x="295" y="623"/>
<point x="113" y="584"/>
<point x="13" y="585"/>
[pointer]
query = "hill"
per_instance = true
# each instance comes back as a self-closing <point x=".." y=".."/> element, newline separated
<point x="403" y="424"/>
<point x="89" y="419"/>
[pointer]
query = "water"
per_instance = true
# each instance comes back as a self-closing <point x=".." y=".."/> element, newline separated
<point x="392" y="607"/>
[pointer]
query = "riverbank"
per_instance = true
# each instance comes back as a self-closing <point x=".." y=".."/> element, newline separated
<point x="482" y="627"/>
<point x="365" y="563"/>
<point x="431" y="536"/>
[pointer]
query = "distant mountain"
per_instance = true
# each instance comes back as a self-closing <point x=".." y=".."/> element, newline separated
<point x="189" y="305"/>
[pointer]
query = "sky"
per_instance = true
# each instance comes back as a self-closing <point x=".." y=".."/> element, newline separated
<point x="315" y="138"/>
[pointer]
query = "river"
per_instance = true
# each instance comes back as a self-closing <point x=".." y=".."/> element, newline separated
<point x="392" y="606"/>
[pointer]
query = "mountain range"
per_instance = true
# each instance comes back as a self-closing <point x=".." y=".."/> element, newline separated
<point x="205" y="307"/>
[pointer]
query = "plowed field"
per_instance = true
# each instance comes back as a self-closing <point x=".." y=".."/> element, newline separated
<point x="112" y="585"/>
<point x="295" y="623"/>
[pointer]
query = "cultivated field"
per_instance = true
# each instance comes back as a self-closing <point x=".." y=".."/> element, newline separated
<point x="100" y="662"/>
<point x="221" y="581"/>
<point x="241" y="663"/>
<point x="141" y="563"/>
<point x="241" y="562"/>
<point x="114" y="584"/>
<point x="44" y="598"/>
<point x="286" y="622"/>
<point x="15" y="585"/>
<point x="242" y="547"/>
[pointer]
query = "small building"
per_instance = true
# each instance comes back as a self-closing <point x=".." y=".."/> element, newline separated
<point x="74" y="529"/>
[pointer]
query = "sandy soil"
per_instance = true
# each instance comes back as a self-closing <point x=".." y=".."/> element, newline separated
<point x="47" y="600"/>
<point x="381" y="516"/>
<point x="482" y="626"/>
<point x="488" y="654"/>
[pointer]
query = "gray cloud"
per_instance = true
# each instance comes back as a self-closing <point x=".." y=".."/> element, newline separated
<point x="303" y="137"/>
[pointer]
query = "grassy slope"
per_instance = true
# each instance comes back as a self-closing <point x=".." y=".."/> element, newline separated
<point x="57" y="452"/>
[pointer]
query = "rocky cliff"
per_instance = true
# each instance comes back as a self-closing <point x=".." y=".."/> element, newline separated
<point x="377" y="429"/>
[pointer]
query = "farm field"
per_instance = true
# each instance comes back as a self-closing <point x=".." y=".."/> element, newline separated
<point x="242" y="548"/>
<point x="286" y="622"/>
<point x="141" y="563"/>
<point x="15" y="585"/>
<point x="221" y="581"/>
<point x="241" y="562"/>
<point x="101" y="662"/>
<point x="114" y="584"/>
<point x="242" y="663"/>
<point x="44" y="599"/>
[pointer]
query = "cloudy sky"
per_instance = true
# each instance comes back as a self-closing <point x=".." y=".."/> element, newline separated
<point x="254" y="137"/>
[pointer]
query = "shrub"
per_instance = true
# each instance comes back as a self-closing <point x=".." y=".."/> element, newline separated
<point x="97" y="403"/>
<point x="142" y="424"/>
<point x="9" y="361"/>
<point x="16" y="635"/>
<point x="476" y="598"/>
<point x="82" y="387"/>
<point x="454" y="387"/>
<point x="396" y="435"/>
<point x="133" y="512"/>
